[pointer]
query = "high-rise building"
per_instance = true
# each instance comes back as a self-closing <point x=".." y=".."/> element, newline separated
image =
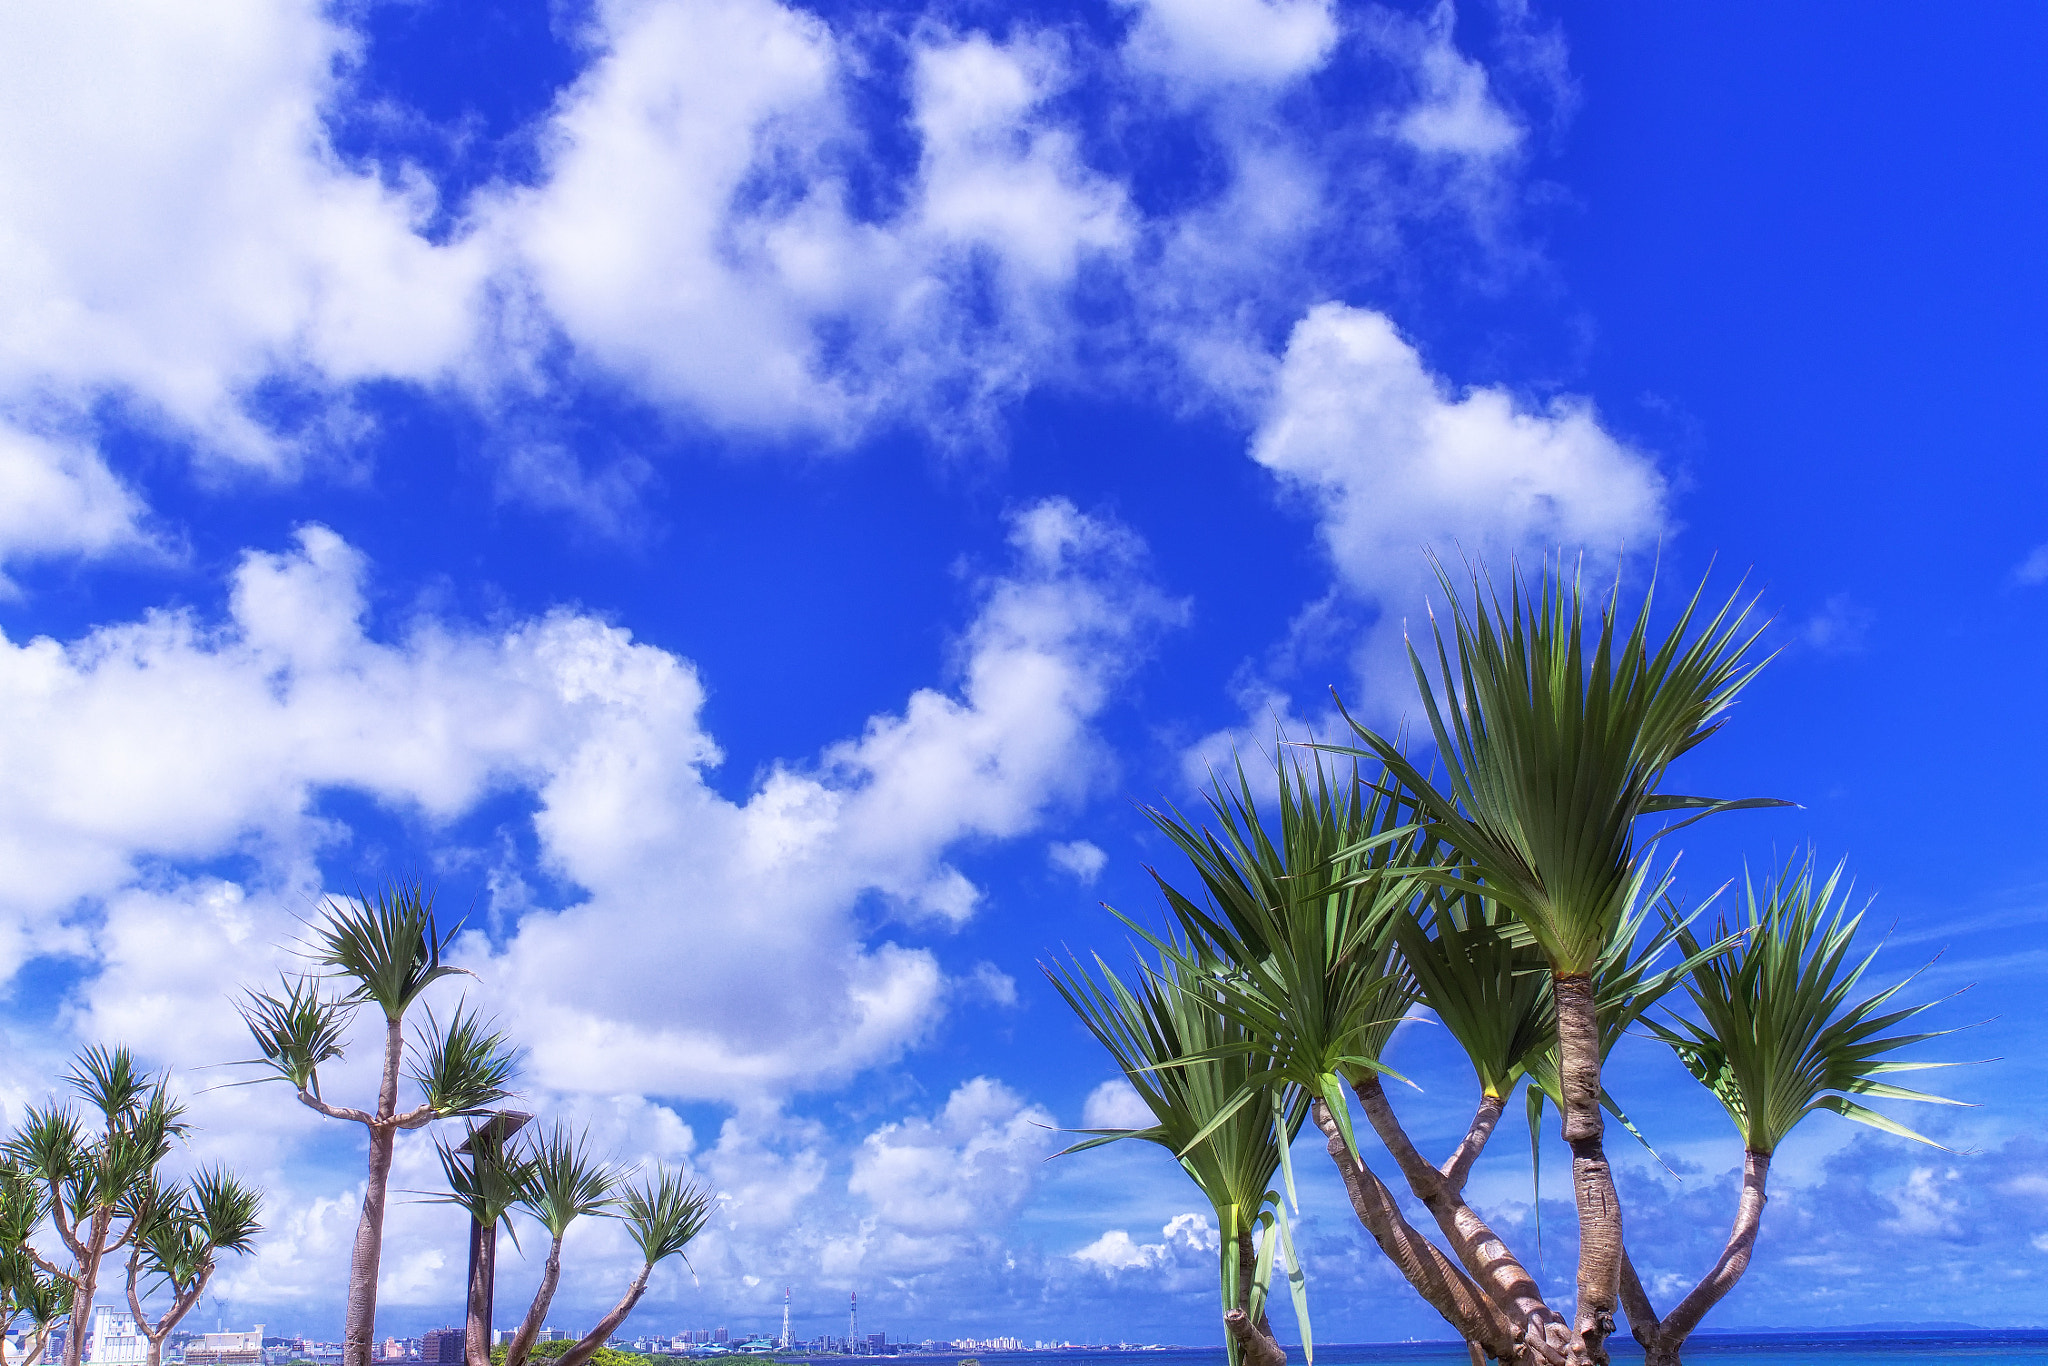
<point x="441" y="1347"/>
<point x="116" y="1341"/>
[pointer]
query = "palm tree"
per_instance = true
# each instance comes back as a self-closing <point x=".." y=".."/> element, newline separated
<point x="1777" y="1039"/>
<point x="564" y="1183"/>
<point x="99" y="1189"/>
<point x="1188" y="1061"/>
<point x="180" y="1248"/>
<point x="1553" y="749"/>
<point x="27" y="1293"/>
<point x="662" y="1216"/>
<point x="1305" y="926"/>
<point x="487" y="1176"/>
<point x="388" y="947"/>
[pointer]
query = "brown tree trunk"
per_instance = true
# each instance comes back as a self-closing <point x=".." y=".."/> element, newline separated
<point x="1254" y="1347"/>
<point x="359" y="1326"/>
<point x="483" y="1272"/>
<point x="1643" y="1322"/>
<point x="1247" y="1272"/>
<point x="1486" y="1257"/>
<point x="1578" y="1050"/>
<point x="536" y="1315"/>
<point x="588" y="1344"/>
<point x="1434" y="1276"/>
<point x="88" y="1251"/>
<point x="1669" y="1335"/>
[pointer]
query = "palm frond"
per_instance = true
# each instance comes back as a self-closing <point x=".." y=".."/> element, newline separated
<point x="1779" y="1035"/>
<point x="568" y="1181"/>
<point x="665" y="1214"/>
<point x="466" y="1067"/>
<point x="1556" y="734"/>
<point x="296" y="1031"/>
<point x="387" y="943"/>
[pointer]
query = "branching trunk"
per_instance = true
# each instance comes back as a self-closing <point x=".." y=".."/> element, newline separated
<point x="1434" y="1276"/>
<point x="359" y="1328"/>
<point x="536" y="1316"/>
<point x="1254" y="1347"/>
<point x="1578" y="1048"/>
<point x="1485" y="1255"/>
<point x="587" y="1345"/>
<point x="87" y="1250"/>
<point x="1667" y="1336"/>
<point x="181" y="1304"/>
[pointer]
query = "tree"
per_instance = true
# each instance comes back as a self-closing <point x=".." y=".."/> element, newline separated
<point x="388" y="947"/>
<point x="487" y="1176"/>
<point x="1553" y="749"/>
<point x="1187" y="1061"/>
<point x="98" y="1186"/>
<point x="179" y="1249"/>
<point x="26" y="1293"/>
<point x="1777" y="1040"/>
<point x="663" y="1216"/>
<point x="564" y="1182"/>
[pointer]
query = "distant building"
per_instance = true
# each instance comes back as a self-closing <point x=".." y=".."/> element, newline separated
<point x="551" y="1335"/>
<point x="226" y="1349"/>
<point x="115" y="1341"/>
<point x="441" y="1347"/>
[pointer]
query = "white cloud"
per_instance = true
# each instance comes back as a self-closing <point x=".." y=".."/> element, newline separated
<point x="1115" y="1105"/>
<point x="1187" y="1238"/>
<point x="965" y="1169"/>
<point x="150" y="746"/>
<point x="1202" y="42"/>
<point x="1393" y="462"/>
<point x="2033" y="570"/>
<point x="177" y="241"/>
<point x="1079" y="859"/>
<point x="58" y="497"/>
<point x="1454" y="113"/>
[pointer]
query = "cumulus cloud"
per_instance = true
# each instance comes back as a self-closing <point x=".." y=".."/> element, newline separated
<point x="177" y="243"/>
<point x="722" y="237"/>
<point x="58" y="497"/>
<point x="1188" y="1242"/>
<point x="1079" y="859"/>
<point x="1207" y="42"/>
<point x="1115" y="1105"/>
<point x="171" y="741"/>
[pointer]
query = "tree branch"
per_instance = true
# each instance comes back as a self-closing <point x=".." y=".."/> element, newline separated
<point x="1254" y="1347"/>
<point x="1484" y="1253"/>
<point x="1434" y="1276"/>
<point x="1643" y="1323"/>
<point x="1458" y="1166"/>
<point x="1734" y="1259"/>
<point x="313" y="1102"/>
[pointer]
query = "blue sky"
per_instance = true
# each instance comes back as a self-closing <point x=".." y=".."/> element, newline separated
<point x="747" y="496"/>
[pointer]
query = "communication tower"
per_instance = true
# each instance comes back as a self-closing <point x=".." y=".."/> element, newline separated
<point x="787" y="1341"/>
<point x="853" y="1326"/>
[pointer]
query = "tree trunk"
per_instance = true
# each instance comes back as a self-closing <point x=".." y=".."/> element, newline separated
<point x="536" y="1316"/>
<point x="1578" y="1049"/>
<point x="1247" y="1272"/>
<point x="483" y="1271"/>
<point x="359" y="1327"/>
<point x="1254" y="1347"/>
<point x="1434" y="1276"/>
<point x="588" y="1344"/>
<point x="89" y="1250"/>
<point x="1486" y="1257"/>
<point x="1669" y="1335"/>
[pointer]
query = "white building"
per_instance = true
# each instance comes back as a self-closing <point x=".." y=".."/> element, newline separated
<point x="116" y="1341"/>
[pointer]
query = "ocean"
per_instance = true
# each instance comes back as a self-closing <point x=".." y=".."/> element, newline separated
<point x="2017" y="1346"/>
